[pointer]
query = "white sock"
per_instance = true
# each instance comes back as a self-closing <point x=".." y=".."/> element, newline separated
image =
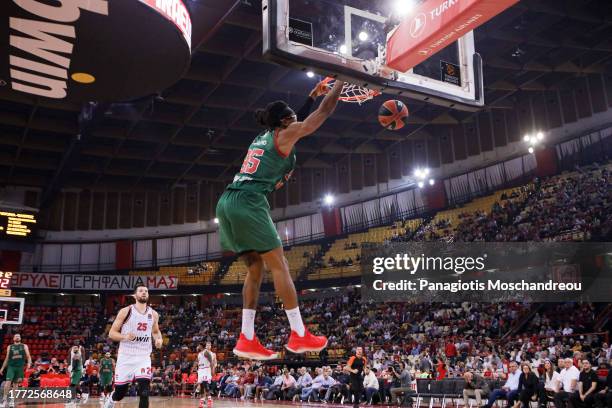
<point x="295" y="321"/>
<point x="248" y="323"/>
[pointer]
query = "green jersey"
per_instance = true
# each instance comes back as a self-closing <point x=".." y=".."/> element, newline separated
<point x="106" y="366"/>
<point x="17" y="355"/>
<point x="265" y="168"/>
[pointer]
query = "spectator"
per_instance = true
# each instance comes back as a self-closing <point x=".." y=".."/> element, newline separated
<point x="474" y="387"/>
<point x="262" y="384"/>
<point x="304" y="381"/>
<point x="404" y="390"/>
<point x="370" y="384"/>
<point x="289" y="384"/>
<point x="528" y="386"/>
<point x="587" y="384"/>
<point x="322" y="382"/>
<point x="450" y="350"/>
<point x="34" y="378"/>
<point x="275" y="390"/>
<point x="246" y="384"/>
<point x="551" y="384"/>
<point x="341" y="386"/>
<point x="510" y="388"/>
<point x="568" y="377"/>
<point x="604" y="397"/>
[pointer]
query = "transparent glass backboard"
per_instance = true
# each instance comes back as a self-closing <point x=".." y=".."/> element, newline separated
<point x="348" y="39"/>
<point x="11" y="310"/>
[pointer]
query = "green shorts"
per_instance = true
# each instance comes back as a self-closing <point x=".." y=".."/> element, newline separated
<point x="106" y="379"/>
<point x="245" y="224"/>
<point x="15" y="374"/>
<point x="75" y="377"/>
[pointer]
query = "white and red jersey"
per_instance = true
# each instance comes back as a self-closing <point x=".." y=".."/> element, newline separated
<point x="141" y="324"/>
<point x="203" y="362"/>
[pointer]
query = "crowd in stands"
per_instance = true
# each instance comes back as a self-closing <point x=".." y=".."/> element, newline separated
<point x="427" y="341"/>
<point x="200" y="269"/>
<point x="576" y="205"/>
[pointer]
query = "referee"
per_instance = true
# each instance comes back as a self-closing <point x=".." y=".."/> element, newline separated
<point x="355" y="367"/>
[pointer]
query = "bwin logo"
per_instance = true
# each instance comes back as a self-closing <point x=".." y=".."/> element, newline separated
<point x="142" y="339"/>
<point x="47" y="44"/>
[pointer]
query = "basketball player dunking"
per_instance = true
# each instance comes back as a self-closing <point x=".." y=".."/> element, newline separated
<point x="207" y="364"/>
<point x="135" y="328"/>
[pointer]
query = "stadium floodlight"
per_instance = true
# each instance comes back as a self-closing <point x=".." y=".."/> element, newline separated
<point x="421" y="173"/>
<point x="329" y="199"/>
<point x="420" y="184"/>
<point x="216" y="220"/>
<point x="533" y="140"/>
<point x="363" y="36"/>
<point x="310" y="74"/>
<point x="432" y="182"/>
<point x="343" y="49"/>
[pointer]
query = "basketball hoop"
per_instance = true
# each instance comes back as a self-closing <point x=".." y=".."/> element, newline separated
<point x="352" y="93"/>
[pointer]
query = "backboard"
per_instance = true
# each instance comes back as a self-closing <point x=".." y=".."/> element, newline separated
<point x="349" y="39"/>
<point x="11" y="310"/>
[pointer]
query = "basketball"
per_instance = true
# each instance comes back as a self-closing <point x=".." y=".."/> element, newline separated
<point x="392" y="114"/>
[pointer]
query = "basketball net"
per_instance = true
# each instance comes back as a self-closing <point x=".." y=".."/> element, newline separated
<point x="352" y="93"/>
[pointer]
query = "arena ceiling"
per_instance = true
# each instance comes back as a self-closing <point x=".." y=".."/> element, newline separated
<point x="198" y="129"/>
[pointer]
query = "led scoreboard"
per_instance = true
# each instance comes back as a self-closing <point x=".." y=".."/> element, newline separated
<point x="16" y="224"/>
<point x="5" y="283"/>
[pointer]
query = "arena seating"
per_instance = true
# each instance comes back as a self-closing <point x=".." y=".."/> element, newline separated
<point x="298" y="257"/>
<point x="200" y="274"/>
<point x="52" y="330"/>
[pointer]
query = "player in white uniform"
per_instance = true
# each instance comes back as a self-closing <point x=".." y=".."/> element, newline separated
<point x="135" y="328"/>
<point x="207" y="364"/>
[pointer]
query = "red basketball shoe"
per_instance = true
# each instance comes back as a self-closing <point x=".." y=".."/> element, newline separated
<point x="252" y="349"/>
<point x="309" y="342"/>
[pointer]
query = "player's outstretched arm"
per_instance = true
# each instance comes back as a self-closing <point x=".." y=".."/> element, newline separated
<point x="155" y="332"/>
<point x="297" y="130"/>
<point x="115" y="331"/>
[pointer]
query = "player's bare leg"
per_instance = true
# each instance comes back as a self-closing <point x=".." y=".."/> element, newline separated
<point x="5" y="393"/>
<point x="248" y="345"/>
<point x="301" y="340"/>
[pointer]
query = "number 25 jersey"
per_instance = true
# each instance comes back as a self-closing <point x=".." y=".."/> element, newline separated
<point x="265" y="167"/>
<point x="140" y="324"/>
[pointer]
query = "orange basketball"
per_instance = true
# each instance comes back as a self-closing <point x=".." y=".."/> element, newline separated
<point x="392" y="114"/>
